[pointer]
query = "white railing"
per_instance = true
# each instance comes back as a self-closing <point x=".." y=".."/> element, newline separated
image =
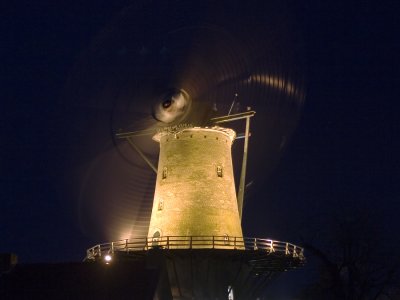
<point x="196" y="242"/>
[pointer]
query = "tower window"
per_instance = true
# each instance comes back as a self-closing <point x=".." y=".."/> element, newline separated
<point x="156" y="239"/>
<point x="226" y="239"/>
<point x="161" y="204"/>
<point x="164" y="173"/>
<point x="219" y="171"/>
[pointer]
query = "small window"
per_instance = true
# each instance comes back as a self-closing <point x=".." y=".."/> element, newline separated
<point x="226" y="239"/>
<point x="164" y="173"/>
<point x="156" y="239"/>
<point x="161" y="204"/>
<point x="219" y="171"/>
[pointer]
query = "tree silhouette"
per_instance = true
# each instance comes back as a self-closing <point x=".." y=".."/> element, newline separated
<point x="354" y="262"/>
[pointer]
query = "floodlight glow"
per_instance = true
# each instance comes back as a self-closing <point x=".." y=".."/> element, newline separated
<point x="108" y="258"/>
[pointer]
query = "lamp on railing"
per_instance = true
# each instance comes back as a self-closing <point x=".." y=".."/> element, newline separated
<point x="108" y="259"/>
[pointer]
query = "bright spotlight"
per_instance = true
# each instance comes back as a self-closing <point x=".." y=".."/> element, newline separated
<point x="108" y="258"/>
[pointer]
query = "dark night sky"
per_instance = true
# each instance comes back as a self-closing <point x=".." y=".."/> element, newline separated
<point x="343" y="156"/>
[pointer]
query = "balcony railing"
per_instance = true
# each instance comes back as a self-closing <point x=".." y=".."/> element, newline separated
<point x="196" y="242"/>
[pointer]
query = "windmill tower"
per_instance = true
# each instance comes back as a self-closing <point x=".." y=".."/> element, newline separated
<point x="195" y="237"/>
<point x="195" y="189"/>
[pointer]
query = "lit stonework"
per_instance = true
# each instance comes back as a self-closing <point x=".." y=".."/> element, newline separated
<point x="195" y="190"/>
<point x="195" y="240"/>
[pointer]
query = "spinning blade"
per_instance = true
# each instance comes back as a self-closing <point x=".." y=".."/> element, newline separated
<point x="164" y="63"/>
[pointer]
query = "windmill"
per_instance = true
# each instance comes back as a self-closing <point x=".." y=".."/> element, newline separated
<point x="176" y="71"/>
<point x="195" y="226"/>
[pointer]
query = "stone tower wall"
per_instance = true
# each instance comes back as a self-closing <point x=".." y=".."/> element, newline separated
<point x="192" y="196"/>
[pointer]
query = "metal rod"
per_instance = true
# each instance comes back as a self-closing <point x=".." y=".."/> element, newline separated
<point x="142" y="155"/>
<point x="233" y="103"/>
<point x="244" y="165"/>
<point x="241" y="136"/>
<point x="128" y="134"/>
<point x="234" y="117"/>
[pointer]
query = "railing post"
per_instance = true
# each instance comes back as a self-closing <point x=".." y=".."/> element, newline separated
<point x="191" y="242"/>
<point x="234" y="243"/>
<point x="167" y="242"/>
<point x="126" y="244"/>
<point x="255" y="244"/>
<point x="112" y="247"/>
<point x="213" y="242"/>
<point x="287" y="249"/>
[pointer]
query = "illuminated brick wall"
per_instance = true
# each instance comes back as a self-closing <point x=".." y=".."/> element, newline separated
<point x="195" y="191"/>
